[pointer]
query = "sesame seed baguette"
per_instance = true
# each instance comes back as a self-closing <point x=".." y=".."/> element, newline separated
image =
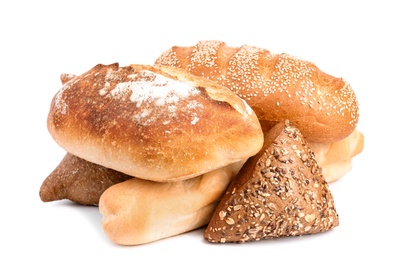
<point x="279" y="192"/>
<point x="138" y="211"/>
<point x="276" y="86"/>
<point x="155" y="123"/>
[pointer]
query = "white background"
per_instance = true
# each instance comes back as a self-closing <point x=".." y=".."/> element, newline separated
<point x="361" y="41"/>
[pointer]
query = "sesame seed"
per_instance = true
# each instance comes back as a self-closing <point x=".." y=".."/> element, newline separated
<point x="247" y="70"/>
<point x="279" y="199"/>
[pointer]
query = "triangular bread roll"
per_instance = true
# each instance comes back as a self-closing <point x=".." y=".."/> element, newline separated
<point x="279" y="192"/>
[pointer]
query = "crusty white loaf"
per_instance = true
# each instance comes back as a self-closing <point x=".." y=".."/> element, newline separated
<point x="76" y="179"/>
<point x="155" y="123"/>
<point x="139" y="211"/>
<point x="276" y="86"/>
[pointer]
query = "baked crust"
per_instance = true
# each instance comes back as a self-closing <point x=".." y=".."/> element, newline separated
<point x="279" y="192"/>
<point x="155" y="123"/>
<point x="276" y="86"/>
<point x="79" y="181"/>
<point x="336" y="158"/>
<point x="139" y="211"/>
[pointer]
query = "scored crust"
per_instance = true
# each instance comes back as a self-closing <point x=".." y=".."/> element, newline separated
<point x="276" y="86"/>
<point x="154" y="123"/>
<point x="279" y="192"/>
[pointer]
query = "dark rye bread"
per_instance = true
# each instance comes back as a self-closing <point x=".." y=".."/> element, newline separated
<point x="80" y="181"/>
<point x="279" y="192"/>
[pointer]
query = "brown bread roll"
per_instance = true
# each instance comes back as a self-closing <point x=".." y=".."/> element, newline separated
<point x="279" y="192"/>
<point x="155" y="123"/>
<point x="79" y="181"/>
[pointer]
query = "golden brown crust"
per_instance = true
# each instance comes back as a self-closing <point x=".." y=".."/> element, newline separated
<point x="335" y="158"/>
<point x="80" y="181"/>
<point x="279" y="192"/>
<point x="139" y="211"/>
<point x="276" y="86"/>
<point x="156" y="123"/>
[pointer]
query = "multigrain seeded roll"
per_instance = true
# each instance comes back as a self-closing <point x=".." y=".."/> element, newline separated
<point x="155" y="123"/>
<point x="279" y="192"/>
<point x="276" y="86"/>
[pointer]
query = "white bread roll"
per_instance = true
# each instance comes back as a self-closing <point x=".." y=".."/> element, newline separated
<point x="139" y="211"/>
<point x="335" y="159"/>
<point x="160" y="124"/>
<point x="276" y="86"/>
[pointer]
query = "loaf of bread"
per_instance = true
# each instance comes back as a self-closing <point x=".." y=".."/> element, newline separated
<point x="140" y="211"/>
<point x="76" y="179"/>
<point x="79" y="181"/>
<point x="276" y="86"/>
<point x="154" y="123"/>
<point x="156" y="147"/>
<point x="84" y="182"/>
<point x="279" y="192"/>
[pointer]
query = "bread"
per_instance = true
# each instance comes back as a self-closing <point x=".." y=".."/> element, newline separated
<point x="139" y="211"/>
<point x="84" y="182"/>
<point x="78" y="180"/>
<point x="65" y="77"/>
<point x="154" y="123"/>
<point x="279" y="192"/>
<point x="336" y="158"/>
<point x="277" y="87"/>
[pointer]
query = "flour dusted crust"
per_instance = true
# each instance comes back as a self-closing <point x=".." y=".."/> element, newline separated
<point x="155" y="123"/>
<point x="276" y="86"/>
<point x="174" y="135"/>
